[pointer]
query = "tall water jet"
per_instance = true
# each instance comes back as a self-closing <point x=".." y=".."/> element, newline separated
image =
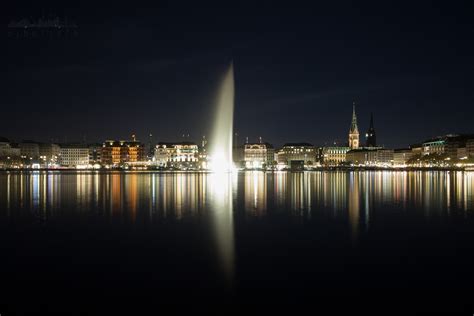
<point x="220" y="162"/>
<point x="221" y="137"/>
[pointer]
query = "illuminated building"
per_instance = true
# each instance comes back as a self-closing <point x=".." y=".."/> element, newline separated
<point x="370" y="156"/>
<point x="362" y="156"/>
<point x="470" y="147"/>
<point x="8" y="149"/>
<point x="95" y="152"/>
<point x="303" y="152"/>
<point x="461" y="153"/>
<point x="354" y="131"/>
<point x="49" y="154"/>
<point x="384" y="157"/>
<point x="416" y="149"/>
<point x="150" y="148"/>
<point x="74" y="156"/>
<point x="259" y="155"/>
<point x="9" y="153"/>
<point x="121" y="152"/>
<point x="370" y="137"/>
<point x="456" y="145"/>
<point x="202" y="153"/>
<point x="29" y="150"/>
<point x="402" y="156"/>
<point x="181" y="155"/>
<point x="334" y="155"/>
<point x="447" y="145"/>
<point x="434" y="146"/>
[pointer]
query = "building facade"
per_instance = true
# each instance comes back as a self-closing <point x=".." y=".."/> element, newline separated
<point x="370" y="157"/>
<point x="290" y="152"/>
<point x="9" y="154"/>
<point x="385" y="157"/>
<point x="259" y="155"/>
<point x="49" y="154"/>
<point x="402" y="156"/>
<point x="181" y="155"/>
<point x="29" y="150"/>
<point x="362" y="156"/>
<point x="434" y="146"/>
<point x="121" y="152"/>
<point x="74" y="156"/>
<point x="334" y="155"/>
<point x="7" y="149"/>
<point x="447" y="145"/>
<point x="470" y="148"/>
<point x="95" y="153"/>
<point x="461" y="153"/>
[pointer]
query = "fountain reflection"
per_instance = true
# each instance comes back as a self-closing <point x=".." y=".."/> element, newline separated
<point x="222" y="217"/>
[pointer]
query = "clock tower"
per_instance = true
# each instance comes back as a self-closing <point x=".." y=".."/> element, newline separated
<point x="354" y="131"/>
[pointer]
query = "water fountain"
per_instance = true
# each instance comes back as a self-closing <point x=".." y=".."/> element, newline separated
<point x="220" y="153"/>
<point x="221" y="180"/>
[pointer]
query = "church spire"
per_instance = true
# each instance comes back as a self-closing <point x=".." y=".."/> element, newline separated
<point x="354" y="130"/>
<point x="370" y="136"/>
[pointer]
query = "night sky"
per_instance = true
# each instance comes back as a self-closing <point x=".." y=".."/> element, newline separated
<point x="297" y="70"/>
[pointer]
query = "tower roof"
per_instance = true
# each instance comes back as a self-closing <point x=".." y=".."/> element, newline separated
<point x="371" y="137"/>
<point x="354" y="128"/>
<point x="371" y="126"/>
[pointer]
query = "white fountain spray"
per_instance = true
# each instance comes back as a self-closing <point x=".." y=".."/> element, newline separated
<point x="221" y="138"/>
<point x="221" y="180"/>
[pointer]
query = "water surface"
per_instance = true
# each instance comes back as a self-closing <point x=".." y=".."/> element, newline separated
<point x="345" y="241"/>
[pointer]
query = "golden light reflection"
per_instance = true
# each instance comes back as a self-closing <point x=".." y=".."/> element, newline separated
<point x="221" y="199"/>
<point x="115" y="193"/>
<point x="354" y="204"/>
<point x="131" y="197"/>
<point x="153" y="196"/>
<point x="255" y="193"/>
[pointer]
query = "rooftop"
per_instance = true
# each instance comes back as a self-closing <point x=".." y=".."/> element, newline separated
<point x="298" y="145"/>
<point x="177" y="143"/>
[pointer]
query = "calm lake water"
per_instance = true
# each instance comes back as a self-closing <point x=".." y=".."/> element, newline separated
<point x="82" y="243"/>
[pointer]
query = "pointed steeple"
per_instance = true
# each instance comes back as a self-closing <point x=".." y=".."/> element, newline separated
<point x="371" y="140"/>
<point x="354" y="128"/>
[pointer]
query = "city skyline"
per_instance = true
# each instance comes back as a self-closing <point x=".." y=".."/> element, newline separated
<point x="296" y="71"/>
<point x="242" y="138"/>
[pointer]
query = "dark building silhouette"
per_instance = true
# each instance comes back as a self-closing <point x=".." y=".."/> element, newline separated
<point x="370" y="136"/>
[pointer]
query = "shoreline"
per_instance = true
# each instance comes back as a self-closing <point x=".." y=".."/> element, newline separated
<point x="323" y="169"/>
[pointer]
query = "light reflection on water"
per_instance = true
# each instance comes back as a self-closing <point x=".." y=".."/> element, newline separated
<point x="245" y="230"/>
<point x="221" y="188"/>
<point x="149" y="197"/>
<point x="241" y="218"/>
<point x="179" y="195"/>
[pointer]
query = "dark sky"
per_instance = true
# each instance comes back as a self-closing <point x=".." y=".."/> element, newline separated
<point x="298" y="67"/>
